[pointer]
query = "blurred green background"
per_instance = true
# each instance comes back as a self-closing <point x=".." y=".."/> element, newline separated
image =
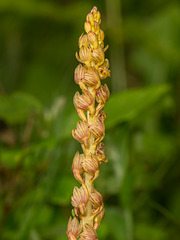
<point x="140" y="184"/>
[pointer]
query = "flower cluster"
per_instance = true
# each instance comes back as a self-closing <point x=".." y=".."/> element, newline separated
<point x="90" y="131"/>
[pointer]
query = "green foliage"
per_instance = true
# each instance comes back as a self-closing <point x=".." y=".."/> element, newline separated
<point x="131" y="104"/>
<point x="140" y="182"/>
<point x="16" y="108"/>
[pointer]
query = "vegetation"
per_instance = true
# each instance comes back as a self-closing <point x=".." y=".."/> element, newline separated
<point x="140" y="184"/>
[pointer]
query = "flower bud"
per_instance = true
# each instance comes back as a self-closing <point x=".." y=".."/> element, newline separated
<point x="90" y="18"/>
<point x="98" y="130"/>
<point x="89" y="233"/>
<point x="81" y="133"/>
<point x="94" y="9"/>
<point x="102" y="94"/>
<point x="83" y="101"/>
<point x="96" y="27"/>
<point x="77" y="168"/>
<point x="84" y="55"/>
<point x="100" y="153"/>
<point x="87" y="26"/>
<point x="80" y="199"/>
<point x="98" y="56"/>
<point x="74" y="228"/>
<point x="83" y="40"/>
<point x="90" y="164"/>
<point x="79" y="74"/>
<point x="97" y="16"/>
<point x="91" y="77"/>
<point x="92" y="37"/>
<point x="103" y="70"/>
<point x="102" y="116"/>
<point x="100" y="36"/>
<point x="96" y="199"/>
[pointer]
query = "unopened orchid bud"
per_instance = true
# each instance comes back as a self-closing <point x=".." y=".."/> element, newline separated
<point x="91" y="77"/>
<point x="93" y="39"/>
<point x="103" y="70"/>
<point x="84" y="55"/>
<point x="100" y="36"/>
<point x="77" y="168"/>
<point x="90" y="18"/>
<point x="98" y="56"/>
<point x="87" y="26"/>
<point x="93" y="10"/>
<point x="100" y="153"/>
<point x="102" y="116"/>
<point x="79" y="74"/>
<point x="82" y="133"/>
<point x="98" y="130"/>
<point x="96" y="27"/>
<point x="83" y="40"/>
<point x="96" y="199"/>
<point x="83" y="101"/>
<point x="90" y="163"/>
<point x="97" y="16"/>
<point x="74" y="228"/>
<point x="102" y="94"/>
<point x="89" y="233"/>
<point x="80" y="199"/>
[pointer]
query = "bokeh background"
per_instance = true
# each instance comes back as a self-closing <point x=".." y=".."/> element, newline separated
<point x="140" y="184"/>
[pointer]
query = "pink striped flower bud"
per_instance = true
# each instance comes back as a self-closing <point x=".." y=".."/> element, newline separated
<point x="102" y="94"/>
<point x="100" y="36"/>
<point x="100" y="153"/>
<point x="87" y="26"/>
<point x="83" y="101"/>
<point x="96" y="199"/>
<point x="89" y="233"/>
<point x="77" y="168"/>
<point x="98" y="56"/>
<point x="102" y="116"/>
<point x="90" y="18"/>
<point x="84" y="55"/>
<point x="91" y="77"/>
<point x="98" y="130"/>
<point x="83" y="40"/>
<point x="90" y="164"/>
<point x="74" y="228"/>
<point x="96" y="14"/>
<point x="81" y="133"/>
<point x="93" y="39"/>
<point x="80" y="199"/>
<point x="96" y="27"/>
<point x="79" y="74"/>
<point x="103" y="70"/>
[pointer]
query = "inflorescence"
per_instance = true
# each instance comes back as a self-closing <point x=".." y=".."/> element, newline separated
<point x="90" y="131"/>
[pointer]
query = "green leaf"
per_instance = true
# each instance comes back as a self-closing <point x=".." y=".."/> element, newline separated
<point x="128" y="105"/>
<point x="119" y="223"/>
<point x="16" y="108"/>
<point x="11" y="157"/>
<point x="61" y="194"/>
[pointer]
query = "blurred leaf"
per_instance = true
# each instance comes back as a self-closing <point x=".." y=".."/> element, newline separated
<point x="128" y="105"/>
<point x="116" y="223"/>
<point x="11" y="157"/>
<point x="16" y="108"/>
<point x="117" y="153"/>
<point x="65" y="121"/>
<point x="148" y="232"/>
<point x="61" y="194"/>
<point x="32" y="8"/>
